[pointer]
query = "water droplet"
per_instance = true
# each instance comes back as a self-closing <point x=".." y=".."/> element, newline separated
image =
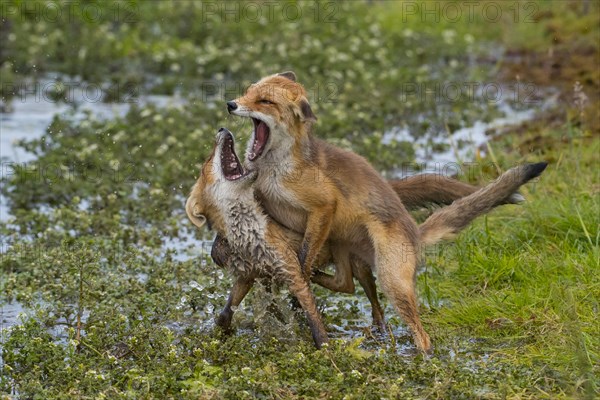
<point x="196" y="285"/>
<point x="182" y="303"/>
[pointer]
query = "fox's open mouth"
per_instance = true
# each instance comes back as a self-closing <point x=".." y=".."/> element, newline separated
<point x="260" y="139"/>
<point x="231" y="166"/>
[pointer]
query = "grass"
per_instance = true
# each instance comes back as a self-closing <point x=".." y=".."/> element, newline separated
<point x="526" y="276"/>
<point x="113" y="311"/>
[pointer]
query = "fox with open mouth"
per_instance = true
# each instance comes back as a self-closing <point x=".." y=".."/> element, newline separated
<point x="223" y="197"/>
<point x="328" y="194"/>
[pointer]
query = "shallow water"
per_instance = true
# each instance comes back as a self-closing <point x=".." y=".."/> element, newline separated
<point x="465" y="143"/>
<point x="9" y="314"/>
<point x="31" y="115"/>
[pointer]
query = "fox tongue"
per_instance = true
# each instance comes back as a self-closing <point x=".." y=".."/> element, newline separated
<point x="261" y="135"/>
<point x="261" y="132"/>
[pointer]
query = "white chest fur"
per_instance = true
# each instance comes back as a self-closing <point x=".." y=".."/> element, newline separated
<point x="280" y="203"/>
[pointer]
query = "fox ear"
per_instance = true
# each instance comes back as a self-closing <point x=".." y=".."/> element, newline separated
<point x="307" y="112"/>
<point x="199" y="220"/>
<point x="289" y="75"/>
<point x="194" y="213"/>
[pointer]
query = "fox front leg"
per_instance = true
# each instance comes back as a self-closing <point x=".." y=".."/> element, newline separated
<point x="240" y="289"/>
<point x="347" y="267"/>
<point x="221" y="255"/>
<point x="299" y="288"/>
<point x="318" y="228"/>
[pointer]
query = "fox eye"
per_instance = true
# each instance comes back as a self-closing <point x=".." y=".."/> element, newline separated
<point x="265" y="101"/>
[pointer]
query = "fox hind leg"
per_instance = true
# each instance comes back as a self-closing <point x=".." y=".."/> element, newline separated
<point x="365" y="277"/>
<point x="396" y="261"/>
<point x="341" y="281"/>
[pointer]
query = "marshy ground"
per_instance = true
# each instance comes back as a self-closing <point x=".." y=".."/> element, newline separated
<point x="114" y="289"/>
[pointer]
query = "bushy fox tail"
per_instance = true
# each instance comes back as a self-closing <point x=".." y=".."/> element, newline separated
<point x="420" y="190"/>
<point x="447" y="222"/>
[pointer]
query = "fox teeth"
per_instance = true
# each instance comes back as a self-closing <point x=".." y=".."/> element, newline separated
<point x="233" y="164"/>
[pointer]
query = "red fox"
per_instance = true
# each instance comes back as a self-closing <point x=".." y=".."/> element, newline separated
<point x="326" y="193"/>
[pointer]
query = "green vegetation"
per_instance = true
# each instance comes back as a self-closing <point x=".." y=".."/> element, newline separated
<point x="94" y="251"/>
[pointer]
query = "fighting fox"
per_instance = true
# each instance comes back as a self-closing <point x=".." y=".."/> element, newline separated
<point x="350" y="203"/>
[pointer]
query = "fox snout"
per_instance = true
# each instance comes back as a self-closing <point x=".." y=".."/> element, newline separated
<point x="231" y="106"/>
<point x="222" y="132"/>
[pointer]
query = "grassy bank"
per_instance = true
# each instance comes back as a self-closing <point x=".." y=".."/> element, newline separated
<point x="116" y="311"/>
